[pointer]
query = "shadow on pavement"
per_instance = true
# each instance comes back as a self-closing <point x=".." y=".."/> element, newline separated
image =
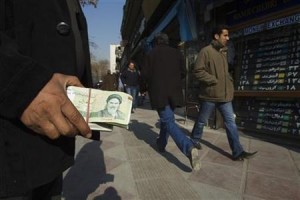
<point x="110" y="193"/>
<point x="289" y="143"/>
<point x="87" y="174"/>
<point x="215" y="148"/>
<point x="206" y="143"/>
<point x="144" y="132"/>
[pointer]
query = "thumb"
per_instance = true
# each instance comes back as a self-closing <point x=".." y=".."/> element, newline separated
<point x="73" y="81"/>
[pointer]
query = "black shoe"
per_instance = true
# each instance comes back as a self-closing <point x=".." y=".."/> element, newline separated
<point x="197" y="144"/>
<point x="244" y="155"/>
<point x="194" y="159"/>
<point x="160" y="148"/>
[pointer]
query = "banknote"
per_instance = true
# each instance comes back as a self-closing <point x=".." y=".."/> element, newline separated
<point x="102" y="109"/>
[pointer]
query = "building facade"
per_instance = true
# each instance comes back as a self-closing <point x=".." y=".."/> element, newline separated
<point x="115" y="53"/>
<point x="264" y="54"/>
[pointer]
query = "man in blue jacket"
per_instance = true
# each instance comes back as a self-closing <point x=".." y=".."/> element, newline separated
<point x="43" y="49"/>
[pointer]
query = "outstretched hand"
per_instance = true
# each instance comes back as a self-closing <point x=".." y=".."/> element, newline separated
<point x="52" y="114"/>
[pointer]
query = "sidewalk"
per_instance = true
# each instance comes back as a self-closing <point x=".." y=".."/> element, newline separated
<point x="126" y="165"/>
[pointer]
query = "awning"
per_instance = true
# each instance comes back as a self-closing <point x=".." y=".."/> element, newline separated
<point x="186" y="17"/>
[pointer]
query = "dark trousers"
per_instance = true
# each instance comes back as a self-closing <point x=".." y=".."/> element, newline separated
<point x="49" y="191"/>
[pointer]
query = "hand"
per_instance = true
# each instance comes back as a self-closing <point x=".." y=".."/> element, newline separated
<point x="52" y="114"/>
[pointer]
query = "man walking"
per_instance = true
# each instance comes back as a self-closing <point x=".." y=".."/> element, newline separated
<point x="163" y="71"/>
<point x="216" y="90"/>
<point x="131" y="78"/>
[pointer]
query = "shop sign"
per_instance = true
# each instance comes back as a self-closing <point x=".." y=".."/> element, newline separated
<point x="273" y="24"/>
<point x="249" y="9"/>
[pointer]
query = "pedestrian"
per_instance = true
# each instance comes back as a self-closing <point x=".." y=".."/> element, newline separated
<point x="43" y="49"/>
<point x="130" y="79"/>
<point x="216" y="90"/>
<point x="109" y="82"/>
<point x="163" y="72"/>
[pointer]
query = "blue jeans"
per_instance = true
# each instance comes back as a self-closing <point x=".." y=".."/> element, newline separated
<point x="226" y="111"/>
<point x="132" y="90"/>
<point x="168" y="127"/>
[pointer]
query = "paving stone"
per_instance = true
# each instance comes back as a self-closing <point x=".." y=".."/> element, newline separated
<point x="166" y="189"/>
<point x="143" y="152"/>
<point x="283" y="167"/>
<point x="152" y="168"/>
<point x="219" y="176"/>
<point x="271" y="187"/>
<point x="126" y="165"/>
<point x="209" y="192"/>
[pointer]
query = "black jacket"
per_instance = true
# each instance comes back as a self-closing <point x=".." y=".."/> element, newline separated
<point x="163" y="72"/>
<point x="130" y="77"/>
<point x="36" y="40"/>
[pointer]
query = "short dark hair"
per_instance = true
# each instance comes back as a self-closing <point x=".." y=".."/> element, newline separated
<point x="218" y="30"/>
<point x="131" y="61"/>
<point x="161" y="38"/>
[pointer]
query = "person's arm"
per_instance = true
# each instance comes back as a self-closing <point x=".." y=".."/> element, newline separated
<point x="21" y="78"/>
<point x="200" y="70"/>
<point x="51" y="113"/>
<point x="123" y="77"/>
<point x="33" y="94"/>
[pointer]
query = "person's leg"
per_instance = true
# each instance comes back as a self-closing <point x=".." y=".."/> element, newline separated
<point x="134" y="91"/>
<point x="163" y="137"/>
<point x="129" y="90"/>
<point x="185" y="145"/>
<point x="205" y="111"/>
<point x="231" y="128"/>
<point x="169" y="125"/>
<point x="49" y="191"/>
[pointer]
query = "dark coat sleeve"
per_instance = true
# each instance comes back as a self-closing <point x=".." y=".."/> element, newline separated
<point x="163" y="71"/>
<point x="21" y="78"/>
<point x="31" y="50"/>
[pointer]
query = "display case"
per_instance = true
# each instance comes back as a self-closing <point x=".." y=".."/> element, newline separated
<point x="267" y="79"/>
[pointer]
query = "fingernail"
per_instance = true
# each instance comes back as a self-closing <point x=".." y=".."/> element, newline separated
<point x="89" y="135"/>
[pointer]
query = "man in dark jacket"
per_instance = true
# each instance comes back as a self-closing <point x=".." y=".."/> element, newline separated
<point x="130" y="79"/>
<point x="216" y="90"/>
<point x="163" y="71"/>
<point x="43" y="49"/>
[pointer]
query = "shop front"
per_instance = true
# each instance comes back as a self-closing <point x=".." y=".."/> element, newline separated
<point x="264" y="55"/>
<point x="266" y="35"/>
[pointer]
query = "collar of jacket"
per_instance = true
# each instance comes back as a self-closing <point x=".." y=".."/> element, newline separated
<point x="218" y="46"/>
<point x="132" y="70"/>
